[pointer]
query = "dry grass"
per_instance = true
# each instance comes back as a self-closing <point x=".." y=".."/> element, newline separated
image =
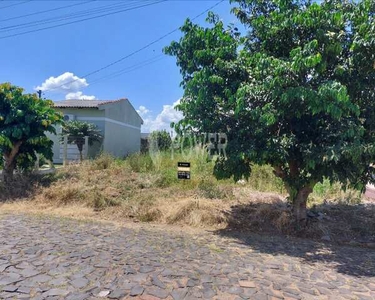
<point x="143" y="190"/>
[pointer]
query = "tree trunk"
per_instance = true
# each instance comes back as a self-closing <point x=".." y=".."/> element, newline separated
<point x="299" y="206"/>
<point x="298" y="195"/>
<point x="80" y="149"/>
<point x="8" y="172"/>
<point x="10" y="162"/>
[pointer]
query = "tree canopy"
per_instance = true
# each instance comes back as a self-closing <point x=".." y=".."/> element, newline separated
<point x="24" y="121"/>
<point x="76" y="131"/>
<point x="295" y="92"/>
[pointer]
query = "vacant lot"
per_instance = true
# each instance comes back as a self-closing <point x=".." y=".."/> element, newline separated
<point x="145" y="189"/>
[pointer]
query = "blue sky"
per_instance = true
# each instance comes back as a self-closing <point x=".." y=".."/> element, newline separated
<point x="71" y="51"/>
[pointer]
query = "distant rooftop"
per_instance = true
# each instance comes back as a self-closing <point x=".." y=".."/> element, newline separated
<point x="83" y="103"/>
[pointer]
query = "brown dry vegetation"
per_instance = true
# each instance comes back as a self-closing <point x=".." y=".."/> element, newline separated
<point x="146" y="190"/>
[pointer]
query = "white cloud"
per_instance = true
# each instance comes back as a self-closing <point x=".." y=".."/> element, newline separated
<point x="78" y="95"/>
<point x="163" y="120"/>
<point x="67" y="82"/>
<point x="143" y="111"/>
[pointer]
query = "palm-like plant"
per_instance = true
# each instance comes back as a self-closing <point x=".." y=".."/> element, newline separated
<point x="78" y="130"/>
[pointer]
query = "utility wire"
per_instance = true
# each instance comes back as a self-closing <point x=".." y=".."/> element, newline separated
<point x="15" y="4"/>
<point x="82" y="20"/>
<point x="45" y="11"/>
<point x="79" y="14"/>
<point x="129" y="69"/>
<point x="138" y="50"/>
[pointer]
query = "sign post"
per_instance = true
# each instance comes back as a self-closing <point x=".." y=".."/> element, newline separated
<point x="183" y="170"/>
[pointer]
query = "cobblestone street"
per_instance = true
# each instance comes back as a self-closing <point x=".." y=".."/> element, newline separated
<point x="56" y="258"/>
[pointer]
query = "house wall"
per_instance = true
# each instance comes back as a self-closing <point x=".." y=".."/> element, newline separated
<point x="121" y="140"/>
<point x="92" y="115"/>
<point x="122" y="111"/>
<point x="122" y="129"/>
<point x="119" y="123"/>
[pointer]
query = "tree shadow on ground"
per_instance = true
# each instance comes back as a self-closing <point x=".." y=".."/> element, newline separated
<point x="24" y="186"/>
<point x="266" y="227"/>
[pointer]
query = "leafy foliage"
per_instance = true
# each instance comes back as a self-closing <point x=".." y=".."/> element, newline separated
<point x="24" y="121"/>
<point x="78" y="130"/>
<point x="297" y="92"/>
<point x="161" y="139"/>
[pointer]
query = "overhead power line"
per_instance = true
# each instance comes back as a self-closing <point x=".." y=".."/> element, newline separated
<point x="129" y="69"/>
<point x="138" y="50"/>
<point x="45" y="11"/>
<point x="78" y="14"/>
<point x="15" y="4"/>
<point x="82" y="20"/>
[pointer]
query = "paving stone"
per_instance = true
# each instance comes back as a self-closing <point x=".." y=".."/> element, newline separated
<point x="9" y="280"/>
<point x="117" y="294"/>
<point x="247" y="284"/>
<point x="9" y="288"/>
<point x="102" y="264"/>
<point x="323" y="291"/>
<point x="248" y="292"/>
<point x="23" y="290"/>
<point x="58" y="281"/>
<point x="291" y="296"/>
<point x="85" y="254"/>
<point x="3" y="267"/>
<point x="260" y="296"/>
<point x="191" y="283"/>
<point x="146" y="269"/>
<point x="137" y="290"/>
<point x="179" y="294"/>
<point x="362" y="296"/>
<point x="29" y="272"/>
<point x="41" y="278"/>
<point x="236" y="290"/>
<point x="206" y="278"/>
<point x="138" y="278"/>
<point x="55" y="292"/>
<point x="156" y="281"/>
<point x="157" y="292"/>
<point x="208" y="292"/>
<point x="103" y="293"/>
<point x="78" y="296"/>
<point x="79" y="283"/>
<point x="129" y="270"/>
<point x="149" y="297"/>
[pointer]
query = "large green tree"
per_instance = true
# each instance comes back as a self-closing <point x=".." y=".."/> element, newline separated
<point x="296" y="92"/>
<point x="24" y="121"/>
<point x="76" y="131"/>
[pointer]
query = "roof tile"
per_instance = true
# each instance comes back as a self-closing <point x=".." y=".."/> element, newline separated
<point x="83" y="103"/>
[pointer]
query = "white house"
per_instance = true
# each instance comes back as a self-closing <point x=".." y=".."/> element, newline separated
<point x="118" y="121"/>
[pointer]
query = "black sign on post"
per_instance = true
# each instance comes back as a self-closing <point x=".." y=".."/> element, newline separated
<point x="183" y="170"/>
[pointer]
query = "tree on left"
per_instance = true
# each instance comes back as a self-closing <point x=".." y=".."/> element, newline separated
<point x="24" y="121"/>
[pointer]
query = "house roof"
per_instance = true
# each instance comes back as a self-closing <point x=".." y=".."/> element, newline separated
<point x="83" y="103"/>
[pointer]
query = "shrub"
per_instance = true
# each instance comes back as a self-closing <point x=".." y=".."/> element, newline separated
<point x="160" y="140"/>
<point x="336" y="192"/>
<point x="166" y="178"/>
<point x="104" y="161"/>
<point x="263" y="179"/>
<point x="100" y="201"/>
<point x="212" y="190"/>
<point x="140" y="162"/>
